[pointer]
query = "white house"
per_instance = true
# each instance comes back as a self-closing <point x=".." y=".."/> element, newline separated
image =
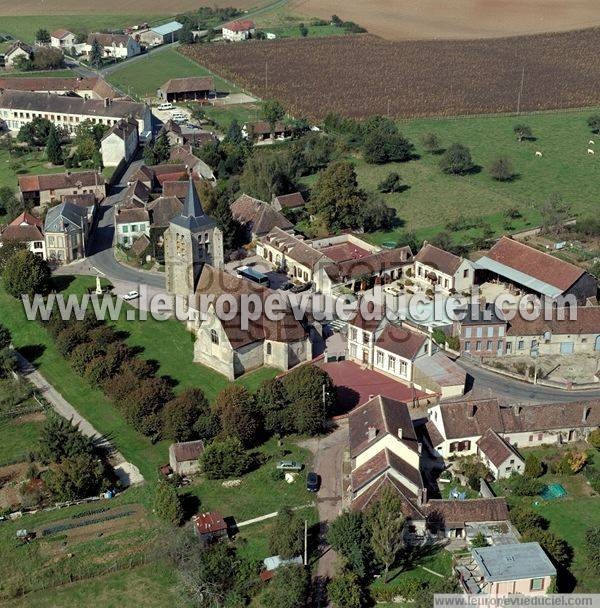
<point x="119" y="46"/>
<point x="16" y="50"/>
<point x="238" y="30"/>
<point x="25" y="229"/>
<point x="119" y="143"/>
<point x="63" y="39"/>
<point x="499" y="456"/>
<point x="434" y="266"/>
<point x="131" y="224"/>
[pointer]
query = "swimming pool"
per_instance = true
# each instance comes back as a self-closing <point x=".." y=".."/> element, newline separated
<point x="554" y="490"/>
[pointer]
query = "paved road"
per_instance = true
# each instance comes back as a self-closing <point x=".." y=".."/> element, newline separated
<point x="128" y="473"/>
<point x="487" y="383"/>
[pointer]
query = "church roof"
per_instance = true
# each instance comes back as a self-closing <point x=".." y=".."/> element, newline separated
<point x="193" y="217"/>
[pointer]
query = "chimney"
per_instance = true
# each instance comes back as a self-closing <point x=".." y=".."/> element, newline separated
<point x="371" y="397"/>
<point x="106" y="102"/>
<point x="422" y="497"/>
<point x="472" y="410"/>
<point x="371" y="433"/>
<point x="399" y="433"/>
<point x="517" y="409"/>
<point x="586" y="412"/>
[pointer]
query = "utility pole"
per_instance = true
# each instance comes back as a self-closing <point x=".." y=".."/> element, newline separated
<point x="521" y="91"/>
<point x="305" y="542"/>
<point x="266" y="76"/>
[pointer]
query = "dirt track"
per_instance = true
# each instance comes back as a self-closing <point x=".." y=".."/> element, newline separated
<point x="456" y="19"/>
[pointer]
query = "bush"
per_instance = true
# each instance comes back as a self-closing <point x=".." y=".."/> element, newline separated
<point x="392" y="183"/>
<point x="558" y="549"/>
<point x="525" y="519"/>
<point x="430" y="142"/>
<point x="25" y="273"/>
<point x="534" y="467"/>
<point x="594" y="439"/>
<point x="501" y="169"/>
<point x="167" y="503"/>
<point x="182" y="413"/>
<point x="457" y="160"/>
<point x="286" y="537"/>
<point x="222" y="459"/>
<point x="77" y="477"/>
<point x="453" y="342"/>
<point x="524" y="486"/>
<point x="439" y="337"/>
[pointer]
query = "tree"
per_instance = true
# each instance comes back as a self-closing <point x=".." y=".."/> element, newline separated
<point x="592" y="549"/>
<point x="289" y="588"/>
<point x="53" y="148"/>
<point x="42" y="36"/>
<point x="558" y="549"/>
<point x="8" y="250"/>
<point x="36" y="132"/>
<point x="167" y="504"/>
<point x="239" y="419"/>
<point x="84" y="354"/>
<point x="222" y="459"/>
<point x="234" y="133"/>
<point x="349" y="536"/>
<point x="47" y="58"/>
<point x="162" y="149"/>
<point x="554" y="212"/>
<point x="144" y="403"/>
<point x="5" y="337"/>
<point x="231" y="229"/>
<point x="523" y="132"/>
<point x="77" y="477"/>
<point x="383" y="143"/>
<point x="526" y="519"/>
<point x="266" y="175"/>
<point x="424" y="597"/>
<point x="534" y="467"/>
<point x="70" y="338"/>
<point x="186" y="36"/>
<point x="60" y="440"/>
<point x="96" y="54"/>
<point x="182" y="413"/>
<point x="337" y="198"/>
<point x="456" y="160"/>
<point x="524" y="486"/>
<point x="272" y="112"/>
<point x="430" y="142"/>
<point x="386" y="523"/>
<point x="594" y="123"/>
<point x="594" y="439"/>
<point x="8" y="201"/>
<point x="479" y="540"/>
<point x="303" y="30"/>
<point x="345" y="590"/>
<point x="286" y="537"/>
<point x="501" y="169"/>
<point x="392" y="183"/>
<point x="273" y="403"/>
<point x="25" y="273"/>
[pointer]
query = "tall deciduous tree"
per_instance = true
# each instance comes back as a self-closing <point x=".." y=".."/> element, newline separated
<point x="457" y="160"/>
<point x="286" y="535"/>
<point x="272" y="112"/>
<point x="167" y="503"/>
<point x="42" y="36"/>
<point x="25" y="273"/>
<point x="345" y="591"/>
<point x="348" y="534"/>
<point x="235" y="407"/>
<point x="289" y="588"/>
<point x="182" y="413"/>
<point x="53" y="147"/>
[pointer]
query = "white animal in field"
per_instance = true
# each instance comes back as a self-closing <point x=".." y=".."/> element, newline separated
<point x="591" y="142"/>
<point x="590" y="151"/>
<point x="538" y="153"/>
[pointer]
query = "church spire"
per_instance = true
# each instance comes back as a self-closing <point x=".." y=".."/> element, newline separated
<point x="193" y="206"/>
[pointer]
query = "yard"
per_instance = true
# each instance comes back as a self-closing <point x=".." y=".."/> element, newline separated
<point x="142" y="78"/>
<point x="223" y="115"/>
<point x="433" y="198"/>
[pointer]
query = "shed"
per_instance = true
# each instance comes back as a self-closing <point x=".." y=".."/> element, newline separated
<point x="183" y="457"/>
<point x="168" y="32"/>
<point x="210" y="526"/>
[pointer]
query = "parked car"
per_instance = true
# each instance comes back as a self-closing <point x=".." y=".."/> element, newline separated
<point x="289" y="465"/>
<point x="286" y="286"/>
<point x="165" y="106"/>
<point x="132" y="295"/>
<point x="302" y="287"/>
<point x="313" y="482"/>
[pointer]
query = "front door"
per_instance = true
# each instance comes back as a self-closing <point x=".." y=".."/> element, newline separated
<point x="365" y="356"/>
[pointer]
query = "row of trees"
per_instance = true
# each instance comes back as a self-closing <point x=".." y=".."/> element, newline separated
<point x="42" y="58"/>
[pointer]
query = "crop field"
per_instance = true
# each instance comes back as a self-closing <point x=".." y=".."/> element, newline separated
<point x="362" y="75"/>
<point x="425" y="19"/>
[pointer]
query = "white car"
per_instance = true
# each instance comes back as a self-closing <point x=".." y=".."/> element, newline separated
<point x="165" y="106"/>
<point x="132" y="295"/>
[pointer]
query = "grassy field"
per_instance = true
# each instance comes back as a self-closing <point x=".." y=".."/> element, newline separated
<point x="142" y="78"/>
<point x="24" y="27"/>
<point x="148" y="586"/>
<point x="259" y="493"/>
<point x="314" y="31"/>
<point x="33" y="163"/>
<point x="223" y="115"/>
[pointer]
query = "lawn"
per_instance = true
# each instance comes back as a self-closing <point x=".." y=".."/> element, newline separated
<point x="260" y="492"/>
<point x="150" y="586"/>
<point x="34" y="163"/>
<point x="142" y="78"/>
<point x="224" y="115"/>
<point x="24" y="27"/>
<point x="314" y="31"/>
<point x="432" y="198"/>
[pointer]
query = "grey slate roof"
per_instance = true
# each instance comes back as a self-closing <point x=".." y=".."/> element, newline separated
<point x="65" y="217"/>
<point x="193" y="217"/>
<point x="513" y="562"/>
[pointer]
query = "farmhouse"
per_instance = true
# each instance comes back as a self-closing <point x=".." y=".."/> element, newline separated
<point x="16" y="51"/>
<point x="119" y="143"/>
<point x="526" y="270"/>
<point x="66" y="230"/>
<point x="500" y="570"/>
<point x="292" y="201"/>
<point x="238" y="30"/>
<point x="231" y="349"/>
<point x="183" y="155"/>
<point x="435" y="267"/>
<point x="63" y="39"/>
<point x="26" y="229"/>
<point x="184" y="135"/>
<point x="161" y="34"/>
<point x="183" y="457"/>
<point x="262" y="130"/>
<point x="456" y="427"/>
<point x="117" y="46"/>
<point x="187" y="89"/>
<point x="257" y="217"/>
<point x="92" y="88"/>
<point x="18" y="108"/>
<point x="45" y="189"/>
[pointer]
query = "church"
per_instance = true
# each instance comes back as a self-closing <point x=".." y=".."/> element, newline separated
<point x="194" y="266"/>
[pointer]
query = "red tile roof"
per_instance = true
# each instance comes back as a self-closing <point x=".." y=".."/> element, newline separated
<point x="259" y="215"/>
<point x="239" y="26"/>
<point x="401" y="341"/>
<point x="437" y="258"/>
<point x="459" y="512"/>
<point x="290" y="201"/>
<point x="534" y="263"/>
<point x="372" y="494"/>
<point x="188" y="85"/>
<point x="187" y="450"/>
<point x="373" y="264"/>
<point x="495" y="448"/>
<point x="380" y="463"/>
<point x="587" y="321"/>
<point x="209" y="523"/>
<point x="59" y="181"/>
<point x="27" y="218"/>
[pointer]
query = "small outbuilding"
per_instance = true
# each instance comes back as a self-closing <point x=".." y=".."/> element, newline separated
<point x="183" y="457"/>
<point x="187" y="89"/>
<point x="210" y="527"/>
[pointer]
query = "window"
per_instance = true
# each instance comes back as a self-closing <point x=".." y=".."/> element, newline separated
<point x="489" y="345"/>
<point x="214" y="337"/>
<point x="403" y="368"/>
<point x="134" y="228"/>
<point x="521" y="344"/>
<point x="391" y="363"/>
<point x="490" y="332"/>
<point x="501" y="330"/>
<point x="479" y="332"/>
<point x="353" y="333"/>
<point x="353" y="350"/>
<point x="537" y="584"/>
<point x="379" y="358"/>
<point x="366" y="337"/>
<point x="467" y="346"/>
<point x="125" y="229"/>
<point x="467" y="332"/>
<point x="540" y="436"/>
<point x="530" y="438"/>
<point x="478" y="345"/>
<point x="269" y="348"/>
<point x="465" y="273"/>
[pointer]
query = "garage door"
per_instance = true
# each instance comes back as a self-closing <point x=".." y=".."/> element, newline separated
<point x="566" y="348"/>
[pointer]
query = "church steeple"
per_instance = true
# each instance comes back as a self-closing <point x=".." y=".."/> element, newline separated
<point x="192" y="215"/>
<point x="193" y="206"/>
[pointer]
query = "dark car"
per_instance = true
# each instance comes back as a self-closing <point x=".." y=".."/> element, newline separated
<point x="301" y="288"/>
<point x="313" y="482"/>
<point x="286" y="286"/>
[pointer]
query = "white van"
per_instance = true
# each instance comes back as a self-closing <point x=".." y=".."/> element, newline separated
<point x="165" y="106"/>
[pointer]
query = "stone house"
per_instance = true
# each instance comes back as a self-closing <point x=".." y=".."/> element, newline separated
<point x="499" y="456"/>
<point x="131" y="223"/>
<point x="183" y="457"/>
<point x="186" y="135"/>
<point x="481" y="331"/>
<point x="66" y="230"/>
<point x="526" y="270"/>
<point x="87" y="88"/>
<point x="257" y="217"/>
<point x="26" y="229"/>
<point x="291" y="202"/>
<point x="119" y="143"/>
<point x="435" y="267"/>
<point x="238" y="30"/>
<point x="48" y="189"/>
<point x="263" y="131"/>
<point x="183" y="155"/>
